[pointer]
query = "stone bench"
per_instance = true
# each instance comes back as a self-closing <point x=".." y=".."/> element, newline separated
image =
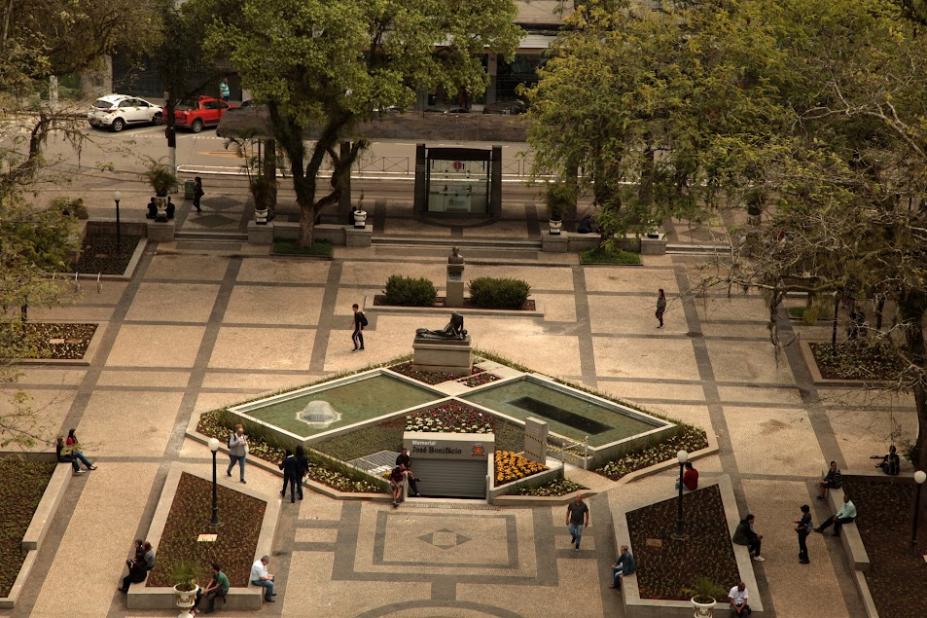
<point x="853" y="548"/>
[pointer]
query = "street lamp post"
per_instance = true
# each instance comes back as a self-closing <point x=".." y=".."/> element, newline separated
<point x="682" y="457"/>
<point x="919" y="477"/>
<point x="118" y="196"/>
<point x="214" y="447"/>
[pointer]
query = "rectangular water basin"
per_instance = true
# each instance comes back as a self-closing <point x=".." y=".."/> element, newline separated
<point x="350" y="400"/>
<point x="568" y="412"/>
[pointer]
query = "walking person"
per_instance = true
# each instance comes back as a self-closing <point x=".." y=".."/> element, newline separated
<point x="238" y="451"/>
<point x="260" y="577"/>
<point x="746" y="535"/>
<point x="661" y="306"/>
<point x="198" y="193"/>
<point x="803" y="529"/>
<point x="577" y="518"/>
<point x="846" y="515"/>
<point x="302" y="469"/>
<point x="397" y="478"/>
<point x="72" y="446"/>
<point x="287" y="455"/>
<point x="360" y="323"/>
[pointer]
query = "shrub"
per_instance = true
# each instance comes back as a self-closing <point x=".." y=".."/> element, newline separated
<point x="496" y="293"/>
<point x="318" y="248"/>
<point x="410" y="291"/>
<point x="604" y="255"/>
<point x="70" y="207"/>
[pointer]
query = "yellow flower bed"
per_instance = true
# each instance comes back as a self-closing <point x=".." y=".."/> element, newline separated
<point x="511" y="466"/>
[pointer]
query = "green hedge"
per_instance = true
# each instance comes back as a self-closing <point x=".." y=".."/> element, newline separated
<point x="499" y="293"/>
<point x="410" y="291"/>
<point x="601" y="255"/>
<point x="318" y="248"/>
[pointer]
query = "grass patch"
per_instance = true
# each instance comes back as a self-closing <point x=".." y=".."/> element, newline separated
<point x="22" y="483"/>
<point x="616" y="257"/>
<point x="811" y="314"/>
<point x="319" y="248"/>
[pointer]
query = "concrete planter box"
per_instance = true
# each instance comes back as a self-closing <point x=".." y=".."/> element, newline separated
<point x="133" y="228"/>
<point x="568" y="242"/>
<point x="653" y="246"/>
<point x="262" y="234"/>
<point x="89" y="354"/>
<point x="141" y="596"/>
<point x="41" y="521"/>
<point x="337" y="235"/>
<point x="636" y="607"/>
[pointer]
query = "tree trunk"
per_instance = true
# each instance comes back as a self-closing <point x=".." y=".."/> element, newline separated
<point x="269" y="170"/>
<point x="912" y="307"/>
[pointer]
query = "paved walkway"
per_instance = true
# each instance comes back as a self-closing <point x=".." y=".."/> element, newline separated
<point x="199" y="328"/>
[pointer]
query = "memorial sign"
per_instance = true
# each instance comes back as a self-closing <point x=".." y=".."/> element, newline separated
<point x="536" y="440"/>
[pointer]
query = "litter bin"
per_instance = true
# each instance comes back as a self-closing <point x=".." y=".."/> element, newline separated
<point x="188" y="187"/>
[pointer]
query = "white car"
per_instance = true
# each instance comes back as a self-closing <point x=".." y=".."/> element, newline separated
<point x="117" y="111"/>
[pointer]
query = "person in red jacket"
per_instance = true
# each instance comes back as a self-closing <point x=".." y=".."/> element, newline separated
<point x="690" y="477"/>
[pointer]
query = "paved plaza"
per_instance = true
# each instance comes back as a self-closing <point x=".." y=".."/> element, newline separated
<point x="204" y="324"/>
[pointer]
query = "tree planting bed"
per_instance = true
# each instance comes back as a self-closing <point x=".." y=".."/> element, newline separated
<point x="22" y="484"/>
<point x="98" y="253"/>
<point x="241" y="517"/>
<point x="898" y="573"/>
<point x="665" y="567"/>
<point x="49" y="340"/>
<point x="855" y="361"/>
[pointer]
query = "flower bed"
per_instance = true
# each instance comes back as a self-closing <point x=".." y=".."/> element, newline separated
<point x="665" y="568"/>
<point x="47" y="340"/>
<point x="429" y="377"/>
<point x="218" y="424"/>
<point x="98" y="253"/>
<point x="450" y="417"/>
<point x="885" y="506"/>
<point x="689" y="439"/>
<point x="22" y="483"/>
<point x="240" y="516"/>
<point x="511" y="466"/>
<point x="856" y="360"/>
<point x="559" y="487"/>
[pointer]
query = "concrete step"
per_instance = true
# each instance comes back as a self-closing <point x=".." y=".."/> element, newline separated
<point x="696" y="249"/>
<point x="218" y="235"/>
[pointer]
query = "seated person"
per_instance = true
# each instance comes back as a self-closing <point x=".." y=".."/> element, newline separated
<point x="396" y="480"/>
<point x="138" y="568"/>
<point x="624" y="565"/>
<point x="406" y="462"/>
<point x="832" y="480"/>
<point x="217" y="588"/>
<point x="586" y="225"/>
<point x="170" y="209"/>
<point x="64" y="455"/>
<point x="891" y="464"/>
<point x="152" y="209"/>
<point x="845" y="515"/>
<point x="690" y="477"/>
<point x="738" y="598"/>
<point x="746" y="535"/>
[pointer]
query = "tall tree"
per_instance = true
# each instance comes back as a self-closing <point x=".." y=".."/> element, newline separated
<point x="328" y="64"/>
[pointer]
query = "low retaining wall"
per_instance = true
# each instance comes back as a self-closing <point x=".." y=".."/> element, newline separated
<point x="41" y="521"/>
<point x="554" y="472"/>
<point x="574" y="242"/>
<point x="636" y="607"/>
<point x="141" y="596"/>
<point x="337" y="235"/>
<point x="853" y="548"/>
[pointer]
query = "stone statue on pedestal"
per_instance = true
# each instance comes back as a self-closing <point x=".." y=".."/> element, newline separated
<point x="453" y="331"/>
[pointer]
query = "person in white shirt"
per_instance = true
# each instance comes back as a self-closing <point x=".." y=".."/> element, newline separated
<point x="738" y="597"/>
<point x="845" y="515"/>
<point x="260" y="577"/>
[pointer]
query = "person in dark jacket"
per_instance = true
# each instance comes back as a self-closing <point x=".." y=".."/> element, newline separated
<point x="803" y="528"/>
<point x="661" y="306"/>
<point x="832" y="480"/>
<point x="152" y="209"/>
<point x="302" y="469"/>
<point x="746" y="535"/>
<point x="405" y="461"/>
<point x="198" y="193"/>
<point x="287" y="456"/>
<point x="624" y="565"/>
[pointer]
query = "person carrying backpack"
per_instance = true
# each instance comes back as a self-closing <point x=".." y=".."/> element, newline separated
<point x="360" y="323"/>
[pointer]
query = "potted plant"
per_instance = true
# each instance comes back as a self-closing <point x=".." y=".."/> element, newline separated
<point x="560" y="198"/>
<point x="162" y="180"/>
<point x="360" y="215"/>
<point x="185" y="574"/>
<point x="262" y="190"/>
<point x="705" y="594"/>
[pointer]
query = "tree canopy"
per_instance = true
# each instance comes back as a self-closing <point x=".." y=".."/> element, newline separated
<point x="327" y="64"/>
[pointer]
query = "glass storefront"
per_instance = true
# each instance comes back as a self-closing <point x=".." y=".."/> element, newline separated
<point x="458" y="180"/>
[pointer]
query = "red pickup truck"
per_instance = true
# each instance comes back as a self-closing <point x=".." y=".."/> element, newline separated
<point x="198" y="113"/>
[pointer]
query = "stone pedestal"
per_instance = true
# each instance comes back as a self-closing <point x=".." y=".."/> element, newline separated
<point x="358" y="236"/>
<point x="554" y="244"/>
<point x="451" y="356"/>
<point x="161" y="232"/>
<point x="259" y="234"/>
<point x="455" y="286"/>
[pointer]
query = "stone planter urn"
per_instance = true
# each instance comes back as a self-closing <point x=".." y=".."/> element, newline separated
<point x="186" y="599"/>
<point x="555" y="226"/>
<point x="360" y="219"/>
<point x="260" y="216"/>
<point x="704" y="607"/>
<point x="161" y="203"/>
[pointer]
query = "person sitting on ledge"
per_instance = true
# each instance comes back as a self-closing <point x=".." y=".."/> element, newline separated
<point x="746" y="535"/>
<point x="738" y="597"/>
<point x="845" y="515"/>
<point x="152" y="209"/>
<point x="891" y="464"/>
<point x="832" y="480"/>
<point x="624" y="565"/>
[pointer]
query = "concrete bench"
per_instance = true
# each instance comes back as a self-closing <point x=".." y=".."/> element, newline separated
<point x="852" y="542"/>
